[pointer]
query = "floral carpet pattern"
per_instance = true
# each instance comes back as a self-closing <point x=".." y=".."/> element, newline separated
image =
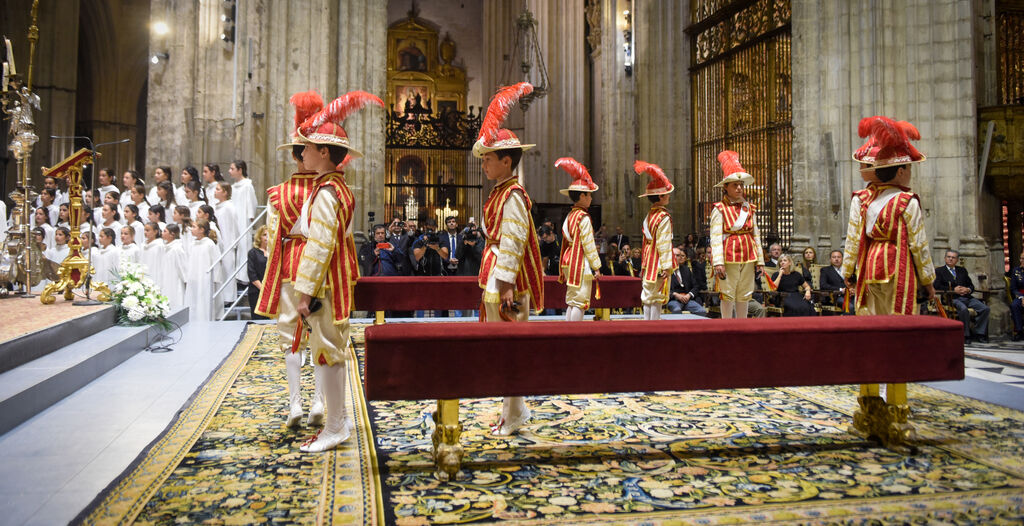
<point x="699" y="457"/>
<point x="229" y="459"/>
<point x="707" y="457"/>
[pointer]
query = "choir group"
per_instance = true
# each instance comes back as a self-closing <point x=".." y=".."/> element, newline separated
<point x="193" y="237"/>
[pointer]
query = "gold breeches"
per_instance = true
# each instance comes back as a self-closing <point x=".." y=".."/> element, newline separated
<point x="287" y="315"/>
<point x="492" y="311"/>
<point x="878" y="299"/>
<point x="329" y="339"/>
<point x="655" y="293"/>
<point x="738" y="284"/>
<point x="580" y="296"/>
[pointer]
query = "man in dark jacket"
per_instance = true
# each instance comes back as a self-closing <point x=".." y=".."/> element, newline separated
<point x="955" y="279"/>
<point x="683" y="294"/>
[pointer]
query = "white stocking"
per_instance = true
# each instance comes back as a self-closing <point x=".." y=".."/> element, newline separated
<point x="727" y="309"/>
<point x="316" y="410"/>
<point x="514" y="413"/>
<point x="573" y="314"/>
<point x="741" y="309"/>
<point x="293" y="368"/>
<point x="337" y="427"/>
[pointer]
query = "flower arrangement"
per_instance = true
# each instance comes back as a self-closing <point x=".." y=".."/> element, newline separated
<point x="137" y="298"/>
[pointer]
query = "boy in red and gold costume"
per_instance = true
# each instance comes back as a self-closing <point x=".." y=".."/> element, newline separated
<point x="579" y="263"/>
<point x="886" y="245"/>
<point x="735" y="240"/>
<point x="658" y="261"/>
<point x="278" y="298"/>
<point x="327" y="268"/>
<point x="511" y="272"/>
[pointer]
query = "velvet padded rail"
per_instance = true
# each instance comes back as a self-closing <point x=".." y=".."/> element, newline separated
<point x="462" y="292"/>
<point x="474" y="360"/>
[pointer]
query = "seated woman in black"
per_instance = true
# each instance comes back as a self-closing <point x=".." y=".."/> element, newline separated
<point x="792" y="284"/>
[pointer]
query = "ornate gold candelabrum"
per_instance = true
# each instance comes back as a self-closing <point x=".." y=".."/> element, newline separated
<point x="17" y="102"/>
<point x="75" y="270"/>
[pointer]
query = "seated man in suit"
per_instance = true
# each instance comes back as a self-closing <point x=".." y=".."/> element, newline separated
<point x="956" y="280"/>
<point x="684" y="288"/>
<point x="831" y="278"/>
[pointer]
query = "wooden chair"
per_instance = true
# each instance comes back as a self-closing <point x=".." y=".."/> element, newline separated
<point x="773" y="307"/>
<point x="710" y="293"/>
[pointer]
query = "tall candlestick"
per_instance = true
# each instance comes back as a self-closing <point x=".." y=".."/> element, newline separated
<point x="10" y="56"/>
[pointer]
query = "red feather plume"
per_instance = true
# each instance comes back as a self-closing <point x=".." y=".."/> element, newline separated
<point x="649" y="168"/>
<point x="499" y="107"/>
<point x="728" y="157"/>
<point x="306" y="104"/>
<point x="909" y="130"/>
<point x="573" y="168"/>
<point x="341" y="108"/>
<point x="344" y="162"/>
<point x="882" y="128"/>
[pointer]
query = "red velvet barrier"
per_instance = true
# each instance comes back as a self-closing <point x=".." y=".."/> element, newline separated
<point x="475" y="360"/>
<point x="462" y="292"/>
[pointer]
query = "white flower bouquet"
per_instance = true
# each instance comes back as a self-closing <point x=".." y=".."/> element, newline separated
<point x="137" y="299"/>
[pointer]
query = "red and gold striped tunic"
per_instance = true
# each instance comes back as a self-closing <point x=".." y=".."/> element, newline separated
<point x="331" y="240"/>
<point x="729" y="245"/>
<point x="578" y="249"/>
<point x="526" y="266"/>
<point x="285" y="249"/>
<point x="892" y="250"/>
<point x="657" y="248"/>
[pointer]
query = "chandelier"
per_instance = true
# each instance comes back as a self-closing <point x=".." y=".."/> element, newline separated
<point x="526" y="49"/>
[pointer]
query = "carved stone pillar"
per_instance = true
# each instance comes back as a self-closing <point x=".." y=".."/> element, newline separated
<point x="663" y="99"/>
<point x="555" y="122"/>
<point x="853" y="61"/>
<point x="231" y="101"/>
<point x="615" y="120"/>
<point x="362" y="65"/>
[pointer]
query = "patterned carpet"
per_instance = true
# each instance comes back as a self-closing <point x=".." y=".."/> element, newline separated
<point x="706" y="457"/>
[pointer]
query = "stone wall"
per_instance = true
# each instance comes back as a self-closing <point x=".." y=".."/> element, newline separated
<point x="215" y="102"/>
<point x="911" y="61"/>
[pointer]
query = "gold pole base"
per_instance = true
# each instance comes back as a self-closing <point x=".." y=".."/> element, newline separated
<point x="66" y="284"/>
<point x="447" y="450"/>
<point x="884" y="421"/>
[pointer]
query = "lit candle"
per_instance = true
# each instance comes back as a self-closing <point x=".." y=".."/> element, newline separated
<point x="4" y="78"/>
<point x="10" y="56"/>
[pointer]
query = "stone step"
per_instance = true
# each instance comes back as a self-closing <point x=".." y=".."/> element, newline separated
<point x="32" y="387"/>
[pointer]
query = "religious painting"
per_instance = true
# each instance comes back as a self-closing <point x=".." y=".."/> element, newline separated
<point x="411" y="56"/>
<point x="413" y="100"/>
<point x="411" y="173"/>
<point x="445" y="106"/>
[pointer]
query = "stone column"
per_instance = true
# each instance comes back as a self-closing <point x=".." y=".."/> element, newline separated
<point x="499" y="37"/>
<point x="362" y="65"/>
<point x="614" y="98"/>
<point x="908" y="61"/>
<point x="213" y="102"/>
<point x="555" y="122"/>
<point x="663" y="99"/>
<point x="172" y="96"/>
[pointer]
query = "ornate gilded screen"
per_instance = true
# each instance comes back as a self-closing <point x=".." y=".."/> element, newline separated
<point x="1010" y="52"/>
<point x="430" y="172"/>
<point x="742" y="101"/>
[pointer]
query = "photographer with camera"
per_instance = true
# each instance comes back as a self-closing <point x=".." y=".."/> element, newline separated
<point x="451" y="244"/>
<point x="396" y="236"/>
<point x="426" y="252"/>
<point x="472" y="249"/>
<point x="378" y="256"/>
